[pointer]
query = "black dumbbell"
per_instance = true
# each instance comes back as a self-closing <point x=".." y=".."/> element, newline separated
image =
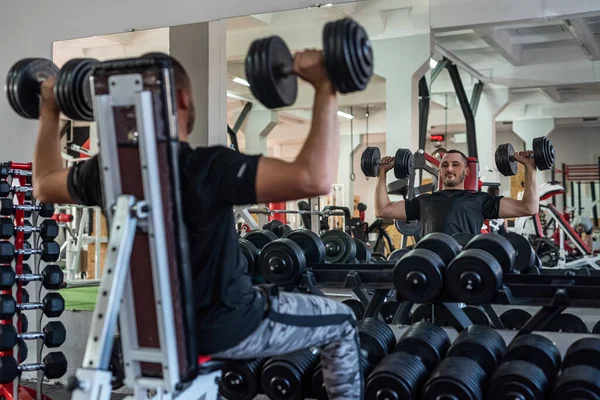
<point x="54" y="366"/>
<point x="7" y="207"/>
<point x="543" y="153"/>
<point x="401" y="374"/>
<point x="52" y="305"/>
<point x="260" y="237"/>
<point x="288" y="376"/>
<point x="525" y="254"/>
<point x="471" y="358"/>
<point x="515" y="318"/>
<point x="54" y="334"/>
<point x="6" y="189"/>
<point x="340" y="248"/>
<point x="404" y="162"/>
<point x="388" y="310"/>
<point x="376" y="341"/>
<point x="347" y="54"/>
<point x="52" y="277"/>
<point x="241" y="379"/>
<point x="284" y="260"/>
<point x="250" y="253"/>
<point x="528" y="368"/>
<point x="396" y="255"/>
<point x="580" y="376"/>
<point x="6" y="170"/>
<point x="71" y="89"/>
<point x="474" y="277"/>
<point x="357" y="308"/>
<point x="50" y="251"/>
<point x="363" y="252"/>
<point x="419" y="274"/>
<point x="48" y="229"/>
<point x="277" y="227"/>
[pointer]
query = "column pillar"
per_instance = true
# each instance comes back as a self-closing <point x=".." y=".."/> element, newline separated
<point x="529" y="129"/>
<point x="402" y="62"/>
<point x="201" y="49"/>
<point x="491" y="104"/>
<point x="258" y="126"/>
<point x="348" y="146"/>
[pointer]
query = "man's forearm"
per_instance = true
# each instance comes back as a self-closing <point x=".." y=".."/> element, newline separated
<point x="531" y="196"/>
<point x="319" y="154"/>
<point x="382" y="200"/>
<point x="47" y="154"/>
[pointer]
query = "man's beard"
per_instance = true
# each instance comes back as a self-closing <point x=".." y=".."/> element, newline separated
<point x="455" y="182"/>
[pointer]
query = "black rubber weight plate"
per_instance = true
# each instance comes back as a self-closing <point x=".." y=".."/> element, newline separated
<point x="26" y="84"/>
<point x="514" y="319"/>
<point x="404" y="164"/>
<point x="567" y="323"/>
<point x="280" y="58"/>
<point x="543" y="153"/>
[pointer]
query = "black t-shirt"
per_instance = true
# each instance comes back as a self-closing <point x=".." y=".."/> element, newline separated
<point x="213" y="179"/>
<point x="452" y="211"/>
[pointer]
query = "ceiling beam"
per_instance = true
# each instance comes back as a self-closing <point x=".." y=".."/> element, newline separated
<point x="584" y="37"/>
<point x="552" y="94"/>
<point x="501" y="41"/>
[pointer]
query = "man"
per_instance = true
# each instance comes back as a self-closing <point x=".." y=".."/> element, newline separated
<point x="454" y="209"/>
<point x="584" y="228"/>
<point x="235" y="320"/>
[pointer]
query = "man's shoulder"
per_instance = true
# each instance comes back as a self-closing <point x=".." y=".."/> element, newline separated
<point x="460" y="193"/>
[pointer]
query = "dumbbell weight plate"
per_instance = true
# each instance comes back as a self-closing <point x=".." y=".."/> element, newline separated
<point x="311" y="244"/>
<point x="566" y="322"/>
<point x="537" y="349"/>
<point x="368" y="161"/>
<point x="496" y="245"/>
<point x="525" y="253"/>
<point x="578" y="382"/>
<point x="397" y="255"/>
<point x="408" y="228"/>
<point x="241" y="379"/>
<point x="404" y="164"/>
<point x="514" y="319"/>
<point x="505" y="165"/>
<point x="596" y="328"/>
<point x="348" y="55"/>
<point x="260" y="238"/>
<point x="265" y="62"/>
<point x="584" y="351"/>
<point x="251" y="253"/>
<point x="339" y="247"/>
<point x="543" y="153"/>
<point x="25" y="78"/>
<point x="442" y="244"/>
<point x="419" y="276"/>
<point x="73" y="91"/>
<point x="282" y="262"/>
<point x="474" y="277"/>
<point x="363" y="253"/>
<point x="357" y="308"/>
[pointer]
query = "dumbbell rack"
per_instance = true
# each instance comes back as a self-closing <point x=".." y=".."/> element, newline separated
<point x="21" y="174"/>
<point x="553" y="292"/>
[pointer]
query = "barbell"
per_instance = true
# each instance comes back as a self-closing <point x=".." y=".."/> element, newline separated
<point x="404" y="162"/>
<point x="347" y="54"/>
<point x="543" y="153"/>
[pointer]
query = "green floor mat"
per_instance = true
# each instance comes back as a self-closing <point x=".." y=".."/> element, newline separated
<point x="81" y="298"/>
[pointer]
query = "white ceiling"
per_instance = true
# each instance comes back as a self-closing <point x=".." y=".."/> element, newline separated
<point x="548" y="66"/>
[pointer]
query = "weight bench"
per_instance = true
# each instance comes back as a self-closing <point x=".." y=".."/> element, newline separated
<point x="147" y="272"/>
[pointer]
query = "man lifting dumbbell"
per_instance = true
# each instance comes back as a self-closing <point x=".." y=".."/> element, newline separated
<point x="454" y="209"/>
<point x="235" y="320"/>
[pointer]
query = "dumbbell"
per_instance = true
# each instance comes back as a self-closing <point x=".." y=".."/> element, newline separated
<point x="54" y="334"/>
<point x="472" y="357"/>
<point x="250" y="252"/>
<point x="515" y="318"/>
<point x="7" y="207"/>
<point x="357" y="308"/>
<point x="52" y="305"/>
<point x="71" y="89"/>
<point x="580" y="376"/>
<point x="528" y="368"/>
<point x="288" y="376"/>
<point x="241" y="379"/>
<point x="347" y="55"/>
<point x="376" y="341"/>
<point x="54" y="366"/>
<point x="475" y="275"/>
<point x="277" y="227"/>
<point x="8" y="169"/>
<point x="48" y="229"/>
<point x="363" y="252"/>
<point x="402" y="373"/>
<point x="340" y="248"/>
<point x="284" y="260"/>
<point x="543" y="153"/>
<point x="419" y="274"/>
<point x="396" y="255"/>
<point x="525" y="254"/>
<point x="566" y="322"/>
<point x="52" y="276"/>
<point x="49" y="251"/>
<point x="6" y="189"/>
<point x="404" y="162"/>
